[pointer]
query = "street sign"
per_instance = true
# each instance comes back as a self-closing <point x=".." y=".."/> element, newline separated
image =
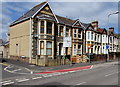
<point x="107" y="46"/>
<point x="67" y="42"/>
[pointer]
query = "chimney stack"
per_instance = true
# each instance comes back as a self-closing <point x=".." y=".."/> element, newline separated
<point x="95" y="24"/>
<point x="111" y="29"/>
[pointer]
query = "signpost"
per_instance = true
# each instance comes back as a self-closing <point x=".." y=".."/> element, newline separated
<point x="67" y="42"/>
<point x="107" y="47"/>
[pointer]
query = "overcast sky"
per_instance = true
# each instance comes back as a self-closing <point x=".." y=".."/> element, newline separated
<point x="84" y="11"/>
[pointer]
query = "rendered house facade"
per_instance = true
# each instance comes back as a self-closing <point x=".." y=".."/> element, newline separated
<point x="40" y="32"/>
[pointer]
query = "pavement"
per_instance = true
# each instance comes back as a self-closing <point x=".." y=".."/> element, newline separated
<point x="34" y="68"/>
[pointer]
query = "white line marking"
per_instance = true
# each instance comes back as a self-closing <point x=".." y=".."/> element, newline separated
<point x="111" y="74"/>
<point x="36" y="78"/>
<point x="91" y="67"/>
<point x="20" y="78"/>
<point x="47" y="75"/>
<point x="81" y="83"/>
<point x="55" y="74"/>
<point x="16" y="70"/>
<point x="8" y="83"/>
<point x="23" y="80"/>
<point x="65" y="72"/>
<point x="71" y="71"/>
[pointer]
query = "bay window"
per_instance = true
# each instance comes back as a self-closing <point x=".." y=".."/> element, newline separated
<point x="49" y="48"/>
<point x="88" y="35"/>
<point x="75" y="33"/>
<point x="49" y="27"/>
<point x="75" y="49"/>
<point x="92" y="36"/>
<point x="42" y="27"/>
<point x="79" y="49"/>
<point x="79" y="33"/>
<point x="41" y="47"/>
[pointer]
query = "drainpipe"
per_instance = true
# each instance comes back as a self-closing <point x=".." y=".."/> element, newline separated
<point x="30" y="50"/>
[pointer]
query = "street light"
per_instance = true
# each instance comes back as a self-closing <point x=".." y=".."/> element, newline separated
<point x="117" y="12"/>
<point x="113" y="13"/>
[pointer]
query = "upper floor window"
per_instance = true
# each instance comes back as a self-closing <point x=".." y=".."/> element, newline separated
<point x="42" y="27"/>
<point x="61" y="31"/>
<point x="95" y="37"/>
<point x="49" y="27"/>
<point x="67" y="31"/>
<point x="75" y="33"/>
<point x="110" y="39"/>
<point x="88" y="35"/>
<point x="92" y="36"/>
<point x="79" y="33"/>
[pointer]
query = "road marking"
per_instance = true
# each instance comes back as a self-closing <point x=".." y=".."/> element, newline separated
<point x="4" y="64"/>
<point x="91" y="67"/>
<point x="47" y="75"/>
<point x="81" y="83"/>
<point x="111" y="74"/>
<point x="8" y="83"/>
<point x="55" y="74"/>
<point x="36" y="78"/>
<point x="65" y="72"/>
<point x="23" y="80"/>
<point x="16" y="70"/>
<point x="8" y="70"/>
<point x="72" y="71"/>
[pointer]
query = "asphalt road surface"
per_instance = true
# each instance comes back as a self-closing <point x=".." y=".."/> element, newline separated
<point x="100" y="74"/>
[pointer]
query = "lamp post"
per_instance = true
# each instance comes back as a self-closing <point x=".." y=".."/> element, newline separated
<point x="117" y="12"/>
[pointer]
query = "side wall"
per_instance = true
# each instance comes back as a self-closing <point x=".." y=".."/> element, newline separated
<point x="20" y="39"/>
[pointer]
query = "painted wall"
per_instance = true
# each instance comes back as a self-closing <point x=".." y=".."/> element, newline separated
<point x="20" y="34"/>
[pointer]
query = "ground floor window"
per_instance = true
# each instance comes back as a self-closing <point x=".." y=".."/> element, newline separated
<point x="75" y="49"/>
<point x="41" y="47"/>
<point x="79" y="49"/>
<point x="49" y="48"/>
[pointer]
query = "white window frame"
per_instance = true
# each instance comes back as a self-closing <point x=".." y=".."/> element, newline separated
<point x="75" y="33"/>
<point x="75" y="49"/>
<point x="79" y="34"/>
<point x="80" y="49"/>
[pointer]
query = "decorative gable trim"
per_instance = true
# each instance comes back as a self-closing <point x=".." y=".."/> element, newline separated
<point x="39" y="10"/>
<point x="43" y="7"/>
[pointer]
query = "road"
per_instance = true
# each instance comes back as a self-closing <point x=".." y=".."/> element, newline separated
<point x="100" y="74"/>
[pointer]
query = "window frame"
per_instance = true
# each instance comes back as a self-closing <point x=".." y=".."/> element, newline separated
<point x="49" y="48"/>
<point x="75" y="33"/>
<point x="61" y="31"/>
<point x="75" y="49"/>
<point x="42" y="26"/>
<point x="67" y="31"/>
<point x="79" y="33"/>
<point x="41" y="48"/>
<point x="48" y="28"/>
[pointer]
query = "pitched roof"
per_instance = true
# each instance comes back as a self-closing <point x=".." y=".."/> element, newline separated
<point x="86" y="25"/>
<point x="64" y="20"/>
<point x="100" y="30"/>
<point x="30" y="13"/>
